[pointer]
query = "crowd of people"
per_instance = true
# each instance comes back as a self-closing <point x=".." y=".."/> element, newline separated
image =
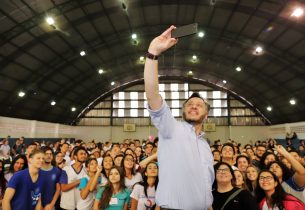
<point x="83" y="176"/>
<point x="174" y="171"/>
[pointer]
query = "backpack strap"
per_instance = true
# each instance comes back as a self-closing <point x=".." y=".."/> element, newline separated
<point x="231" y="197"/>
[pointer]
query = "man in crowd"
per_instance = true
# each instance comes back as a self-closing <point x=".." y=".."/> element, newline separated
<point x="186" y="169"/>
<point x="51" y="189"/>
<point x="70" y="179"/>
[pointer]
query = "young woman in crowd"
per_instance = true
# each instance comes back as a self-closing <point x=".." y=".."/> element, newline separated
<point x="139" y="154"/>
<point x="113" y="196"/>
<point x="85" y="186"/>
<point x="59" y="160"/>
<point x="118" y="160"/>
<point x="19" y="163"/>
<point x="267" y="158"/>
<point x="3" y="182"/>
<point x="240" y="181"/>
<point x="242" y="162"/>
<point x="293" y="183"/>
<point x="143" y="193"/>
<point x="107" y="164"/>
<point x="271" y="195"/>
<point x="131" y="176"/>
<point x="251" y="178"/>
<point x="226" y="196"/>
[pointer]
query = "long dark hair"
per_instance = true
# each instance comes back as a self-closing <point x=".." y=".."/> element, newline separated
<point x="263" y="158"/>
<point x="277" y="197"/>
<point x="103" y="170"/>
<point x="145" y="184"/>
<point x="17" y="157"/>
<point x="133" y="170"/>
<point x="2" y="180"/>
<point x="287" y="173"/>
<point x="108" y="191"/>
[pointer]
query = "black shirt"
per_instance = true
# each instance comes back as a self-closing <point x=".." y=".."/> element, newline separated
<point x="243" y="201"/>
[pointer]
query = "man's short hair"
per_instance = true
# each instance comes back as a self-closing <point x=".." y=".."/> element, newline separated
<point x="197" y="95"/>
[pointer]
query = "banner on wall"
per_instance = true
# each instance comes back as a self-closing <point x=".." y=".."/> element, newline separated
<point x="209" y="127"/>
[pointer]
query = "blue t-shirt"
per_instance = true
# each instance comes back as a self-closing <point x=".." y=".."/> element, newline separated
<point x="27" y="193"/>
<point x="117" y="201"/>
<point x="49" y="188"/>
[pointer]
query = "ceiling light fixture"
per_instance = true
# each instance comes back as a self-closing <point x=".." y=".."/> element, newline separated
<point x="50" y="20"/>
<point x="73" y="109"/>
<point x="82" y="53"/>
<point x="297" y="12"/>
<point x="200" y="34"/>
<point x="269" y="108"/>
<point x="224" y="81"/>
<point x="112" y="83"/>
<point x="53" y="103"/>
<point x="292" y="101"/>
<point x="141" y="58"/>
<point x="134" y="36"/>
<point x="100" y="71"/>
<point x="21" y="94"/>
<point x="258" y="50"/>
<point x="238" y="68"/>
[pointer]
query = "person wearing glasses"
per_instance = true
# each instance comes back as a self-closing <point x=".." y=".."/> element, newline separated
<point x="271" y="195"/>
<point x="226" y="195"/>
<point x="131" y="176"/>
<point x="185" y="160"/>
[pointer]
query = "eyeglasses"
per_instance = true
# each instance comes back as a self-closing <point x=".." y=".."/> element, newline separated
<point x="265" y="178"/>
<point x="223" y="170"/>
<point x="129" y="159"/>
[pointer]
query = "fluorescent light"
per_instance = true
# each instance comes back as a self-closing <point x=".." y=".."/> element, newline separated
<point x="53" y="103"/>
<point x="73" y="109"/>
<point x="292" y="101"/>
<point x="194" y="57"/>
<point x="190" y="72"/>
<point x="238" y="68"/>
<point x="134" y="36"/>
<point x="269" y="108"/>
<point x="200" y="34"/>
<point x="224" y="81"/>
<point x="50" y="20"/>
<point x="142" y="58"/>
<point x="112" y="83"/>
<point x="298" y="12"/>
<point x="82" y="53"/>
<point x="21" y="94"/>
<point x="100" y="71"/>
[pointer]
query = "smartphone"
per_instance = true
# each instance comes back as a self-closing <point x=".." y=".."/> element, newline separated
<point x="185" y="30"/>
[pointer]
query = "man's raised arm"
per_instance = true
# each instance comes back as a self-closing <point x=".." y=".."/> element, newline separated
<point x="156" y="47"/>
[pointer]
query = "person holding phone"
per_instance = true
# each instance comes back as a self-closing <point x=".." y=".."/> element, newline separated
<point x="186" y="171"/>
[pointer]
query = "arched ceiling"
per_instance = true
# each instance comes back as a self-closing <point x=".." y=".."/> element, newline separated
<point x="45" y="63"/>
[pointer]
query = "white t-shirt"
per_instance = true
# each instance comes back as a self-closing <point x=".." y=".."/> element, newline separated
<point x="144" y="202"/>
<point x="130" y="182"/>
<point x="85" y="204"/>
<point x="69" y="199"/>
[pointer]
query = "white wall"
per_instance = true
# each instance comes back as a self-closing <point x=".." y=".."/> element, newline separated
<point x="36" y="129"/>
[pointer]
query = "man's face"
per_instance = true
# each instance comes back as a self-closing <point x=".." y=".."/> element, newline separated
<point x="195" y="110"/>
<point x="48" y="156"/>
<point x="81" y="156"/>
<point x="260" y="151"/>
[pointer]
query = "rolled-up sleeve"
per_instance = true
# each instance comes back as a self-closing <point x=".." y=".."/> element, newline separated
<point x="163" y="120"/>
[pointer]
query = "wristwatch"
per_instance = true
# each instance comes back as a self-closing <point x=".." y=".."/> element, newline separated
<point x="152" y="56"/>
